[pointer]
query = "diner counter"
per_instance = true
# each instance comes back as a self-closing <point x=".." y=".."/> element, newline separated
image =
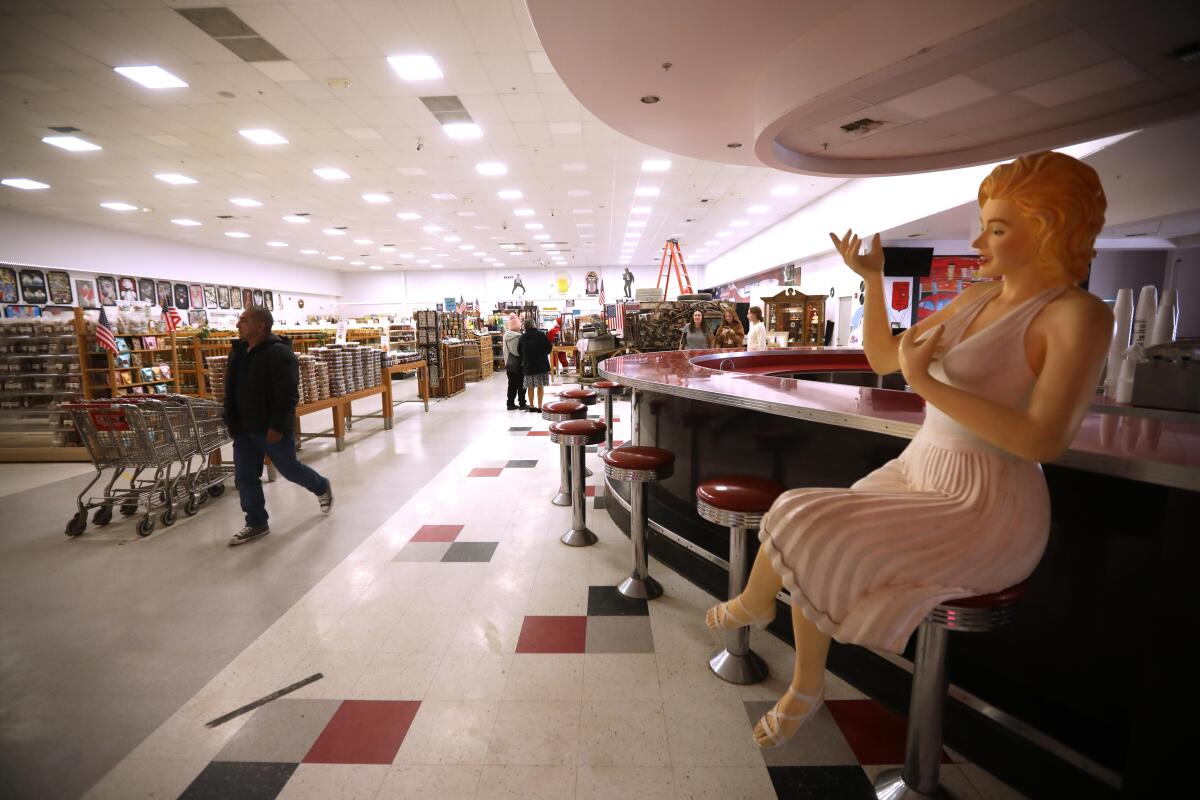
<point x="1160" y="447"/>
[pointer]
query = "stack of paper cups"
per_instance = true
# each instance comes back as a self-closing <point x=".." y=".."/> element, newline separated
<point x="1166" y="321"/>
<point x="1143" y="317"/>
<point x="1123" y="313"/>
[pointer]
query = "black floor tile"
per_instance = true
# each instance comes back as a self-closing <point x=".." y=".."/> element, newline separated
<point x="239" y="780"/>
<point x="601" y="502"/>
<point x="521" y="464"/>
<point x="821" y="783"/>
<point x="470" y="551"/>
<point x="606" y="601"/>
<point x="591" y="449"/>
<point x="519" y="429"/>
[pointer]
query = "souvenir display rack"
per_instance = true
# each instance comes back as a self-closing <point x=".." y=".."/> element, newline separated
<point x="453" y="377"/>
<point x="801" y="315"/>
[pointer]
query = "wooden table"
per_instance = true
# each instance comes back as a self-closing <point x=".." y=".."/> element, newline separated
<point x="422" y="370"/>
<point x="566" y="349"/>
<point x="340" y="406"/>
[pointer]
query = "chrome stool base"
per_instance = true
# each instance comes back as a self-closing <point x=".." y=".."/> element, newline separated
<point x="890" y="785"/>
<point x="741" y="670"/>
<point x="579" y="537"/>
<point x="561" y="499"/>
<point x="640" y="588"/>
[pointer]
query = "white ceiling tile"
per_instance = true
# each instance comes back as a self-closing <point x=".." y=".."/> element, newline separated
<point x="335" y="29"/>
<point x="281" y="28"/>
<point x="509" y="72"/>
<point x="1084" y="83"/>
<point x="523" y="107"/>
<point x="550" y="84"/>
<point x="282" y="71"/>
<point x="439" y="27"/>
<point x="1058" y="56"/>
<point x="384" y="26"/>
<point x="466" y="73"/>
<point x="940" y="97"/>
<point x="492" y="25"/>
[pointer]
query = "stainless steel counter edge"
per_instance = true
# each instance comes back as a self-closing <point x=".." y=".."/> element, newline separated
<point x="1131" y="468"/>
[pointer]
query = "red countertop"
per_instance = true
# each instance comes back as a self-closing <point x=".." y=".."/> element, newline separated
<point x="1140" y="444"/>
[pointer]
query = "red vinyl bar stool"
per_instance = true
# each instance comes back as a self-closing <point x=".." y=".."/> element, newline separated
<point x="639" y="466"/>
<point x="608" y="389"/>
<point x="559" y="411"/>
<point x="588" y="398"/>
<point x="918" y="779"/>
<point x="577" y="434"/>
<point x="739" y="503"/>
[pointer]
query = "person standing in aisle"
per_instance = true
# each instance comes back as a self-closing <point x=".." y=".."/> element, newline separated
<point x="534" y="348"/>
<point x="730" y="332"/>
<point x="512" y="364"/>
<point x="694" y="336"/>
<point x="262" y="387"/>
<point x="757" y="338"/>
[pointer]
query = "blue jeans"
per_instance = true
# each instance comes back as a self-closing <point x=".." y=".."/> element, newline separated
<point x="248" y="452"/>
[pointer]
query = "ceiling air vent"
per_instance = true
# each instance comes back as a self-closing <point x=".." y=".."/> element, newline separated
<point x="228" y="28"/>
<point x="864" y="125"/>
<point x="447" y="109"/>
<point x="64" y="128"/>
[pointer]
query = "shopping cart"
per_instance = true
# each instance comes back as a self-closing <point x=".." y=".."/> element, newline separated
<point x="148" y="436"/>
<point x="208" y="429"/>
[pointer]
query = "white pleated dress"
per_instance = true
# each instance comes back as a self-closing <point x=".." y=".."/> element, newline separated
<point x="952" y="516"/>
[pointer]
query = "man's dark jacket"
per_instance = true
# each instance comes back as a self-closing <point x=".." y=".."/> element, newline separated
<point x="534" y="348"/>
<point x="262" y="387"/>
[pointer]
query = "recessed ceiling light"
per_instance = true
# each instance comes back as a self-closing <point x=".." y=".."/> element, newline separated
<point x="432" y="228"/>
<point x="335" y="258"/>
<point x="466" y="247"/>
<point x="72" y="143"/>
<point x="263" y="136"/>
<point x="357" y="263"/>
<point x="785" y="189"/>
<point x="334" y="232"/>
<point x="363" y="241"/>
<point x="646" y="191"/>
<point x="523" y="212"/>
<point x="416" y="67"/>
<point x="116" y="206"/>
<point x="174" y="178"/>
<point x="463" y="130"/>
<point x="422" y="260"/>
<point x="541" y="236"/>
<point x="330" y="173"/>
<point x="534" y="226"/>
<point x="452" y="239"/>
<point x="509" y="194"/>
<point x="244" y="202"/>
<point x="640" y="210"/>
<point x="151" y="77"/>
<point x="656" y="165"/>
<point x="277" y="244"/>
<point x="739" y="223"/>
<point x="408" y="215"/>
<point x="377" y="198"/>
<point x="491" y="168"/>
<point x="296" y="219"/>
<point x="237" y="235"/>
<point x="187" y="223"/>
<point x="758" y="209"/>
<point x="404" y="255"/>
<point x="507" y="246"/>
<point x="574" y="166"/>
<point x="636" y="223"/>
<point x="374" y="267"/>
<point x="308" y="252"/>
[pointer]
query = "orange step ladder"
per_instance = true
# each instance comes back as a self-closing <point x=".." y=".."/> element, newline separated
<point x="672" y="261"/>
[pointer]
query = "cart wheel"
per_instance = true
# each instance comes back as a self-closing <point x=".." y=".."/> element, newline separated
<point x="128" y="509"/>
<point x="145" y="526"/>
<point x="168" y="517"/>
<point x="78" y="524"/>
<point x="217" y="489"/>
<point x="103" y="516"/>
<point x="191" y="507"/>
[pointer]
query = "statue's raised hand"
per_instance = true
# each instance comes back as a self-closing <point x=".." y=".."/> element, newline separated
<point x="867" y="264"/>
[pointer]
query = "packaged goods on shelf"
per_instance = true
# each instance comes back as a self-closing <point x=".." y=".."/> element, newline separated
<point x="215" y="373"/>
<point x="40" y="367"/>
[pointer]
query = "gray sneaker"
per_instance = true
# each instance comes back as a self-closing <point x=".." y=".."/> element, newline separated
<point x="248" y="534"/>
<point x="326" y="499"/>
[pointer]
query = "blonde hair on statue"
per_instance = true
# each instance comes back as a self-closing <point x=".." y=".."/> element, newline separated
<point x="1062" y="198"/>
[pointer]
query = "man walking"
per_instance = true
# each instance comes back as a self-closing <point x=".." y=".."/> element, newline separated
<point x="262" y="387"/>
<point x="512" y="364"/>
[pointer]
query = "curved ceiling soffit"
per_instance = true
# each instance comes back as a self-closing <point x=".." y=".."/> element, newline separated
<point x="924" y="86"/>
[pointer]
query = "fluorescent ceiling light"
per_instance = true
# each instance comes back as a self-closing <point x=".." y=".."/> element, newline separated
<point x="335" y="258"/>
<point x="509" y="194"/>
<point x="237" y="235"/>
<point x="308" y="252"/>
<point x="375" y="267"/>
<point x="451" y="239"/>
<point x="408" y="215"/>
<point x="187" y="223"/>
<point x="245" y="202"/>
<point x="463" y="130"/>
<point x="466" y="247"/>
<point x="334" y="232"/>
<point x="534" y="226"/>
<point x="174" y="178"/>
<point x="363" y="241"/>
<point x="330" y="173"/>
<point x="784" y="190"/>
<point x="491" y="168"/>
<point x="152" y="77"/>
<point x="422" y="260"/>
<point x="432" y="229"/>
<point x="377" y="198"/>
<point x="508" y="246"/>
<point x="418" y="67"/>
<point x="758" y="209"/>
<point x="405" y="255"/>
<point x="442" y="196"/>
<point x="646" y="191"/>
<point x="739" y="223"/>
<point x="277" y="244"/>
<point x="523" y="212"/>
<point x="116" y="206"/>
<point x="636" y="223"/>
<point x="656" y="165"/>
<point x="263" y="136"/>
<point x="357" y="263"/>
<point x="296" y="219"/>
<point x="72" y="143"/>
<point x="640" y="210"/>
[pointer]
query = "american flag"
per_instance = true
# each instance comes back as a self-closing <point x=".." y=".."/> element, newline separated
<point x="104" y="334"/>
<point x="601" y="293"/>
<point x="461" y="308"/>
<point x="171" y="317"/>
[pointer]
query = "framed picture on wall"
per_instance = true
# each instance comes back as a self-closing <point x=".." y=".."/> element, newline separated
<point x="196" y="294"/>
<point x="8" y="286"/>
<point x="59" y="285"/>
<point x="86" y="291"/>
<point x="268" y="299"/>
<point x="247" y="297"/>
<point x="127" y="289"/>
<point x="181" y="296"/>
<point x="257" y="297"/>
<point x="165" y="294"/>
<point x="210" y="296"/>
<point x="107" y="288"/>
<point x="22" y="311"/>
<point x="235" y="297"/>
<point x="197" y="318"/>
<point x="33" y="286"/>
<point x="146" y="291"/>
<point x="58" y="311"/>
<point x="223" y="296"/>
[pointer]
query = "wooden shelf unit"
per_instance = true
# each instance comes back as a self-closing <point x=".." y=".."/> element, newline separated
<point x="453" y="377"/>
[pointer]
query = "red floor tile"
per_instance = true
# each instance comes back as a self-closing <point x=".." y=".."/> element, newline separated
<point x="553" y="635"/>
<point x="875" y="733"/>
<point x="485" y="472"/>
<point x="364" y="732"/>
<point x="437" y="533"/>
<point x="590" y="491"/>
<point x="538" y="433"/>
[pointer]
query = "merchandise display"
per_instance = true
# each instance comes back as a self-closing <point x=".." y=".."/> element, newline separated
<point x="39" y="368"/>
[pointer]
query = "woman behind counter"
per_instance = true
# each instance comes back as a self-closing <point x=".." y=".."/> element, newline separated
<point x="694" y="335"/>
<point x="730" y="332"/>
<point x="757" y="338"/>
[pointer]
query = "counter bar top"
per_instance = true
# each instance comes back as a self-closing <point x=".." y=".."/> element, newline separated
<point x="1127" y="442"/>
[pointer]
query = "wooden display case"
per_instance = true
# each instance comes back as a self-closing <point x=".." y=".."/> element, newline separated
<point x="801" y="316"/>
<point x="453" y="377"/>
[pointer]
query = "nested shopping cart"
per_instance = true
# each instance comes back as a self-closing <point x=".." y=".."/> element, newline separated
<point x="154" y="439"/>
<point x="210" y="434"/>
